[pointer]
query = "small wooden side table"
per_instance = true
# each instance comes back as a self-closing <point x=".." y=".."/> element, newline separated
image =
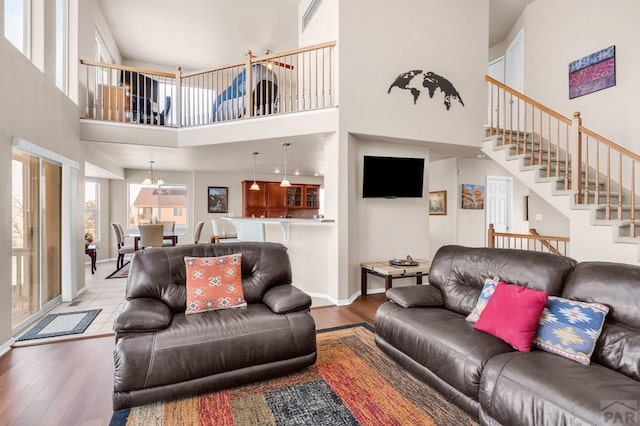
<point x="389" y="272"/>
<point x="92" y="252"/>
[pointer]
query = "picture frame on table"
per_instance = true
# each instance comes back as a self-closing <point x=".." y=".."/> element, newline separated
<point x="437" y="203"/>
<point x="218" y="199"/>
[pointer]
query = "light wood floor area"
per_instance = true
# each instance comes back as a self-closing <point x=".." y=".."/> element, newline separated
<point x="70" y="383"/>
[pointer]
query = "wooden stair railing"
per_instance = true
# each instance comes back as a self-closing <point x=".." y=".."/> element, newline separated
<point x="598" y="171"/>
<point x="545" y="243"/>
<point x="532" y="241"/>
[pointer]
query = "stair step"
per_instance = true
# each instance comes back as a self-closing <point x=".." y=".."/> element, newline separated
<point x="600" y="212"/>
<point x="624" y="229"/>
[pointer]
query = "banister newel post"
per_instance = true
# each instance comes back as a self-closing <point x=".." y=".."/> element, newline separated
<point x="576" y="158"/>
<point x="491" y="236"/>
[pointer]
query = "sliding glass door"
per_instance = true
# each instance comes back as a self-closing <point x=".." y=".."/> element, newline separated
<point x="36" y="235"/>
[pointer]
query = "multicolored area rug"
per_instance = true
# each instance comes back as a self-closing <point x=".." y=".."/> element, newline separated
<point x="62" y="324"/>
<point x="352" y="383"/>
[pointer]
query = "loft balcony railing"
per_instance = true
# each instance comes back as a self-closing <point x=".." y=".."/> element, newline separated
<point x="292" y="81"/>
<point x="596" y="170"/>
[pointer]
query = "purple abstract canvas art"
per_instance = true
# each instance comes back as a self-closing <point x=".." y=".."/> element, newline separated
<point x="593" y="72"/>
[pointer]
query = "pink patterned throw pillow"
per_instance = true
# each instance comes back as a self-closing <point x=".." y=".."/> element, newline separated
<point x="512" y="314"/>
<point x="214" y="283"/>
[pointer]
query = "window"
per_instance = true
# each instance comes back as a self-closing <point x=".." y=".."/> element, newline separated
<point x="62" y="45"/>
<point x="103" y="55"/>
<point x="152" y="203"/>
<point x="308" y="14"/>
<point x="17" y="16"/>
<point x="92" y="209"/>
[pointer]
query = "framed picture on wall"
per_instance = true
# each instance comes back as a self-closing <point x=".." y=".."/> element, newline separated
<point x="472" y="196"/>
<point x="437" y="203"/>
<point x="218" y="199"/>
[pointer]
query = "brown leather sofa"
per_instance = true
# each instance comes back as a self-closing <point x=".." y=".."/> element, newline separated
<point x="161" y="354"/>
<point x="424" y="329"/>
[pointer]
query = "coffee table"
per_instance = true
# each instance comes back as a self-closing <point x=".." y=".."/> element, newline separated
<point x="389" y="272"/>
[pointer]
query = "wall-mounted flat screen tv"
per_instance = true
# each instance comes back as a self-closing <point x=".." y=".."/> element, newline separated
<point x="392" y="177"/>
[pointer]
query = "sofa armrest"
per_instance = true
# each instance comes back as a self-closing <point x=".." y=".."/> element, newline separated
<point x="416" y="296"/>
<point x="143" y="314"/>
<point x="286" y="298"/>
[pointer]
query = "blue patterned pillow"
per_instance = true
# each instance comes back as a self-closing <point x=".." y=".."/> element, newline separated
<point x="570" y="329"/>
<point x="486" y="293"/>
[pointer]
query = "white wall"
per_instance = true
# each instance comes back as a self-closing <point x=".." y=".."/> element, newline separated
<point x="33" y="109"/>
<point x="393" y="41"/>
<point x="463" y="226"/>
<point x="390" y="228"/>
<point x="557" y="33"/>
<point x="443" y="230"/>
<point x="417" y="35"/>
<point x="472" y="229"/>
<point x="545" y="218"/>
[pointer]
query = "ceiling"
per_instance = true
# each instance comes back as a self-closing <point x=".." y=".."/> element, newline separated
<point x="164" y="33"/>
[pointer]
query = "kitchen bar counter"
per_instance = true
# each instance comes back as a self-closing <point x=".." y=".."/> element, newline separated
<point x="285" y="223"/>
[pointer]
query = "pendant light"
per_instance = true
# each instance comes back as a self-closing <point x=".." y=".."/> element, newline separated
<point x="254" y="186"/>
<point x="285" y="182"/>
<point x="151" y="179"/>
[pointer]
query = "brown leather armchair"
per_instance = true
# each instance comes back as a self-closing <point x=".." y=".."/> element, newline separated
<point x="161" y="353"/>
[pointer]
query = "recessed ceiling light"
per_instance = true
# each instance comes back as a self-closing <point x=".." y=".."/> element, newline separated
<point x="276" y="171"/>
<point x="297" y="173"/>
<point x="315" y="174"/>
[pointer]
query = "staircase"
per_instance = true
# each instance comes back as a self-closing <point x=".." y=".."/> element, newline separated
<point x="575" y="170"/>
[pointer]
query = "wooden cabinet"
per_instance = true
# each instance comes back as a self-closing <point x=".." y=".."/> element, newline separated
<point x="275" y="201"/>
<point x="312" y="196"/>
<point x="254" y="203"/>
<point x="294" y="196"/>
<point x="114" y="103"/>
<point x="303" y="197"/>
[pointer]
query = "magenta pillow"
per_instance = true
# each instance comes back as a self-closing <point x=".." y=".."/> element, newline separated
<point x="512" y="314"/>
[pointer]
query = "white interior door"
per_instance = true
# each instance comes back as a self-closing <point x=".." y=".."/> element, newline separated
<point x="496" y="71"/>
<point x="499" y="202"/>
<point x="514" y="75"/>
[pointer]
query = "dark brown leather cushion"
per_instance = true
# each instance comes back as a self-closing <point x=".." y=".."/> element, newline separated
<point x="543" y="388"/>
<point x="210" y="343"/>
<point x="160" y="273"/>
<point x="616" y="285"/>
<point x="441" y="341"/>
<point x="143" y="314"/>
<point x="416" y="296"/>
<point x="460" y="272"/>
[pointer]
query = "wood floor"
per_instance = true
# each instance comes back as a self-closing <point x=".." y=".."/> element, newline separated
<point x="70" y="383"/>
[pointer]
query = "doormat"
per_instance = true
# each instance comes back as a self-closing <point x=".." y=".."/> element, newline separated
<point x="123" y="272"/>
<point x="352" y="383"/>
<point x="63" y="324"/>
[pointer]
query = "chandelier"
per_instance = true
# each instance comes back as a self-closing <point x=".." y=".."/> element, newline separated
<point x="254" y="186"/>
<point x="151" y="179"/>
<point x="285" y="182"/>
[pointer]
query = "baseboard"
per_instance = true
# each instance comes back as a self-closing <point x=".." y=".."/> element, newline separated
<point x="345" y="302"/>
<point x="6" y="346"/>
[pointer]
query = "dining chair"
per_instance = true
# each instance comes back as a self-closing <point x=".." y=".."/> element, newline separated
<point x="151" y="235"/>
<point x="197" y="232"/>
<point x="169" y="226"/>
<point x="122" y="247"/>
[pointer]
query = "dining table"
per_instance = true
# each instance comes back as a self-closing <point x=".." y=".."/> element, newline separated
<point x="166" y="235"/>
